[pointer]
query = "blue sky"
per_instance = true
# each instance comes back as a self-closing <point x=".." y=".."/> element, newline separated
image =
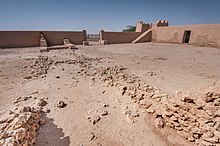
<point x="94" y="15"/>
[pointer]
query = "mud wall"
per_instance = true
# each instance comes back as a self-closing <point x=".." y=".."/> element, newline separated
<point x="201" y="35"/>
<point x="12" y="39"/>
<point x="119" y="37"/>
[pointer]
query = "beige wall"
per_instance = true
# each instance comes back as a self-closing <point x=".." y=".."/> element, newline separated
<point x="56" y="37"/>
<point x="19" y="39"/>
<point x="119" y="37"/>
<point x="11" y="39"/>
<point x="201" y="35"/>
<point x="142" y="27"/>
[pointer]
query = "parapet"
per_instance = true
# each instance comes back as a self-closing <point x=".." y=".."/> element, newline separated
<point x="161" y="23"/>
<point x="142" y="27"/>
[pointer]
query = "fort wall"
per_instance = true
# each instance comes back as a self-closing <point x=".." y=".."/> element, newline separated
<point x="200" y="35"/>
<point x="118" y="37"/>
<point x="14" y="39"/>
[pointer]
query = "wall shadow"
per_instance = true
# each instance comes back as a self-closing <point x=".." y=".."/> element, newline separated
<point x="50" y="135"/>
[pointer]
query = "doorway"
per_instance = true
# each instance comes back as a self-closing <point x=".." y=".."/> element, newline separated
<point x="186" y="36"/>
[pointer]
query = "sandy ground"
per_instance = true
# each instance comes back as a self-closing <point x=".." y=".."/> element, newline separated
<point x="171" y="68"/>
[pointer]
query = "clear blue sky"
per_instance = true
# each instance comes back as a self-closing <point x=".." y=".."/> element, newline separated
<point x="93" y="15"/>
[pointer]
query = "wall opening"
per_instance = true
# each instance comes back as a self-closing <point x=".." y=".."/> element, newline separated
<point x="186" y="36"/>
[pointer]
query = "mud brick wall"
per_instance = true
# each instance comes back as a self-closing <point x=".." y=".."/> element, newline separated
<point x="16" y="39"/>
<point x="201" y="35"/>
<point x="119" y="37"/>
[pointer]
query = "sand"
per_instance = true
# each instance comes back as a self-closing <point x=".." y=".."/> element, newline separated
<point x="174" y="69"/>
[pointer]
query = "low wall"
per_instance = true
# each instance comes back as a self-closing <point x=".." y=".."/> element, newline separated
<point x="12" y="39"/>
<point x="201" y="35"/>
<point x="119" y="37"/>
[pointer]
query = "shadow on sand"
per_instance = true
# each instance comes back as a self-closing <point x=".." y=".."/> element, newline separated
<point x="50" y="135"/>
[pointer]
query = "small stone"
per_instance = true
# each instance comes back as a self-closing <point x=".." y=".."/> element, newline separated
<point x="27" y="77"/>
<point x="94" y="119"/>
<point x="22" y="98"/>
<point x="217" y="127"/>
<point x="60" y="104"/>
<point x="26" y="109"/>
<point x="210" y="97"/>
<point x="10" y="112"/>
<point x="105" y="105"/>
<point x="46" y="110"/>
<point x="104" y="113"/>
<point x="42" y="102"/>
<point x="207" y="135"/>
<point x="129" y="119"/>
<point x="212" y="140"/>
<point x="159" y="123"/>
<point x="92" y="136"/>
<point x="188" y="100"/>
<point x="123" y="90"/>
<point x="216" y="113"/>
<point x="136" y="115"/>
<point x="126" y="112"/>
<point x="178" y="92"/>
<point x="57" y="77"/>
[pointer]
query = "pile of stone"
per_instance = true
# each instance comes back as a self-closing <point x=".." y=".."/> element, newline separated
<point x="40" y="66"/>
<point x="85" y="63"/>
<point x="20" y="128"/>
<point x="196" y="119"/>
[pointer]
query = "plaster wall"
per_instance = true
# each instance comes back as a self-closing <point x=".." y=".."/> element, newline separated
<point x="142" y="27"/>
<point x="119" y="37"/>
<point x="12" y="39"/>
<point x="201" y="35"/>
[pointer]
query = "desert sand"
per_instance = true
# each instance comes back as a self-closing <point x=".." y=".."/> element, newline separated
<point x="116" y="95"/>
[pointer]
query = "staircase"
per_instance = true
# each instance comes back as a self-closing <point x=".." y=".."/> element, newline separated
<point x="144" y="37"/>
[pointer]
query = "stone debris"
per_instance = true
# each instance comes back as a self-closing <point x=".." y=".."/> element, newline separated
<point x="159" y="122"/>
<point x="129" y="119"/>
<point x="104" y="113"/>
<point x="105" y="105"/>
<point x="41" y="102"/>
<point x="39" y="67"/>
<point x="92" y="136"/>
<point x="22" y="98"/>
<point x="94" y="119"/>
<point x="60" y="104"/>
<point x="27" y="77"/>
<point x="182" y="114"/>
<point x="20" y="128"/>
<point x="191" y="116"/>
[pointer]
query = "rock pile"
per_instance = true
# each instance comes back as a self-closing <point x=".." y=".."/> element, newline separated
<point x="20" y="128"/>
<point x="196" y="119"/>
<point x="40" y="66"/>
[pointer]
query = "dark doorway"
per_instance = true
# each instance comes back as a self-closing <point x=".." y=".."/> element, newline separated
<point x="186" y="36"/>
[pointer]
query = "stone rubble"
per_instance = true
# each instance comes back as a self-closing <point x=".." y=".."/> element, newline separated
<point x="39" y="67"/>
<point x="41" y="102"/>
<point x="94" y="119"/>
<point x="22" y="98"/>
<point x="20" y="128"/>
<point x="195" y="118"/>
<point x="191" y="117"/>
<point x="60" y="104"/>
